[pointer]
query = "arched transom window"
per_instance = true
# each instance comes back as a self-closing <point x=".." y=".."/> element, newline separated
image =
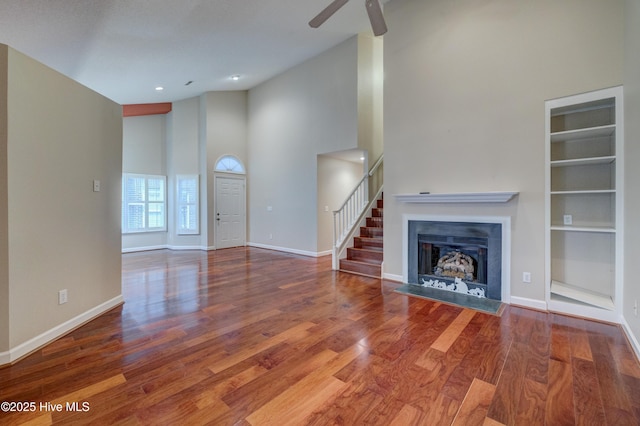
<point x="229" y="164"/>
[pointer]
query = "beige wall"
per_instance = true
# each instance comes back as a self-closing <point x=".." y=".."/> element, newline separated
<point x="465" y="85"/>
<point x="336" y="179"/>
<point x="308" y="110"/>
<point x="144" y="151"/>
<point x="632" y="159"/>
<point x="61" y="234"/>
<point x="226" y="121"/>
<point x="4" y="221"/>
<point x="188" y="140"/>
<point x="370" y="96"/>
<point x="183" y="158"/>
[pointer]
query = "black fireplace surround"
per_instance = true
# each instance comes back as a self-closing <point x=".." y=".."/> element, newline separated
<point x="428" y="240"/>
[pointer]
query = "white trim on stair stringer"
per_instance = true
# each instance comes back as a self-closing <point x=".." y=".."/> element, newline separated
<point x="58" y="331"/>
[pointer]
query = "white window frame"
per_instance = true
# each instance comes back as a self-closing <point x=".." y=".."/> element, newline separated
<point x="230" y="164"/>
<point x="190" y="202"/>
<point x="144" y="202"/>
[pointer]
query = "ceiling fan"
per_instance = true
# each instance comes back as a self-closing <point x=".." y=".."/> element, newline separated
<point x="376" y="18"/>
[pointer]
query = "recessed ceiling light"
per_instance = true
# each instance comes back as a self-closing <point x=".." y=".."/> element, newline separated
<point x="159" y="88"/>
<point x="361" y="158"/>
<point x="235" y="77"/>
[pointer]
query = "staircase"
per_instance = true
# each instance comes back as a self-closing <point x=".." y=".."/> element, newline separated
<point x="365" y="257"/>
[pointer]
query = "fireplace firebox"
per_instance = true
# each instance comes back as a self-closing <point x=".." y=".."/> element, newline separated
<point x="460" y="256"/>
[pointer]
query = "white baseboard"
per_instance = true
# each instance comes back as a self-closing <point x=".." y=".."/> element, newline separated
<point x="539" y="305"/>
<point x="147" y="248"/>
<point x="631" y="337"/>
<point x="169" y="247"/>
<point x="60" y="330"/>
<point x="392" y="277"/>
<point x="290" y="250"/>
<point x="178" y="248"/>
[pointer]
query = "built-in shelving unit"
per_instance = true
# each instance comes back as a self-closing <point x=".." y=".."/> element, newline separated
<point x="584" y="140"/>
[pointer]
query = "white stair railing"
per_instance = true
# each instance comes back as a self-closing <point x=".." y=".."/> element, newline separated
<point x="351" y="213"/>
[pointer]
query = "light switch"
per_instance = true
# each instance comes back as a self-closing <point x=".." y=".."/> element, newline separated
<point x="96" y="186"/>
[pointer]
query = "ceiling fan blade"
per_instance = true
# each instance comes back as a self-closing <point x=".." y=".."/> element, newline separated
<point x="326" y="13"/>
<point x="376" y="18"/>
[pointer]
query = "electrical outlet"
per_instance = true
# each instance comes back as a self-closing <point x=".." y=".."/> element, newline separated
<point x="526" y="277"/>
<point x="271" y="236"/>
<point x="96" y="186"/>
<point x="568" y="219"/>
<point x="62" y="297"/>
<point x="635" y="307"/>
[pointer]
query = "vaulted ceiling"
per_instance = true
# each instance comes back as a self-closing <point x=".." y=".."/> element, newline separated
<point x="124" y="49"/>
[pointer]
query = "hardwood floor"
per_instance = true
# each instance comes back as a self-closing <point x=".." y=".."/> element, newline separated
<point x="251" y="336"/>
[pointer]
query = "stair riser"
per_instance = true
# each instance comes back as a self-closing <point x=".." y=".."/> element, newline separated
<point x="375" y="244"/>
<point x="371" y="232"/>
<point x="374" y="222"/>
<point x="376" y="212"/>
<point x="361" y="268"/>
<point x="364" y="255"/>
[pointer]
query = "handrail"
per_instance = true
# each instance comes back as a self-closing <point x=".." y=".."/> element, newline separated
<point x="351" y="213"/>
<point x="375" y="166"/>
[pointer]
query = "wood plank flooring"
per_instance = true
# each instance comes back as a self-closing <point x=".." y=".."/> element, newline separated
<point x="248" y="336"/>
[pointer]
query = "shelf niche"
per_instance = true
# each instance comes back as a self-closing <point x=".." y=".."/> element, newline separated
<point x="583" y="198"/>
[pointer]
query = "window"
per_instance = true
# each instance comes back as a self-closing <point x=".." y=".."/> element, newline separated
<point x="188" y="217"/>
<point x="144" y="203"/>
<point x="229" y="163"/>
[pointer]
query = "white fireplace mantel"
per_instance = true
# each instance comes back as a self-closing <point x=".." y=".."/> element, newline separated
<point x="458" y="197"/>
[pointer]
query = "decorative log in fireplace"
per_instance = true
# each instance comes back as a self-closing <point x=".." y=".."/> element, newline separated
<point x="456" y="264"/>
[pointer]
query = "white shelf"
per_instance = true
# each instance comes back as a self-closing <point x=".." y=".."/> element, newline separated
<point x="460" y="197"/>
<point x="597" y="229"/>
<point x="584" y="192"/>
<point x="583" y="161"/>
<point x="581" y="295"/>
<point x="589" y="133"/>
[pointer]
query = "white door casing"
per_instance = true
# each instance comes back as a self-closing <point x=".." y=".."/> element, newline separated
<point x="230" y="196"/>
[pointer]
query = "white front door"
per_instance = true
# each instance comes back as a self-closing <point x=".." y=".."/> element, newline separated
<point x="230" y="212"/>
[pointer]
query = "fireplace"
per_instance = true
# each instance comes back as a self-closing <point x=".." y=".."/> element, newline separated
<point x="465" y="257"/>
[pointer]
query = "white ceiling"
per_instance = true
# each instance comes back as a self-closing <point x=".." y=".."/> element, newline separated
<point x="123" y="49"/>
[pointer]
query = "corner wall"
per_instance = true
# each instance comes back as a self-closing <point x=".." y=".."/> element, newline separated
<point x="336" y="178"/>
<point x="4" y="219"/>
<point x="144" y="151"/>
<point x="226" y="122"/>
<point x="61" y="234"/>
<point x="465" y="85"/>
<point x="308" y="110"/>
<point x="632" y="172"/>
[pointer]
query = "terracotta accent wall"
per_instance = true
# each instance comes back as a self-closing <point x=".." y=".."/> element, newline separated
<point x="133" y="110"/>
